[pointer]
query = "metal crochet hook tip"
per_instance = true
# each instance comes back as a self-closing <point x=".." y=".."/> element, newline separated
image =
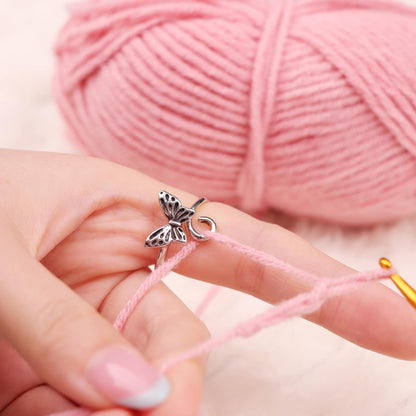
<point x="408" y="292"/>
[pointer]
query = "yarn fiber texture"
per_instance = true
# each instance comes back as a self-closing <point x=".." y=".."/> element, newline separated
<point x="307" y="107"/>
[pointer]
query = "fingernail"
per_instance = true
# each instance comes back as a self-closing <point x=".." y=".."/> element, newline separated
<point x="127" y="379"/>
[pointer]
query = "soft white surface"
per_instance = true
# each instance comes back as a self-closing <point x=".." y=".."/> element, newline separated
<point x="293" y="369"/>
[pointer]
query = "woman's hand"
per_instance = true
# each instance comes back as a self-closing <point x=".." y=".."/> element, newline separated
<point x="72" y="232"/>
<point x="71" y="247"/>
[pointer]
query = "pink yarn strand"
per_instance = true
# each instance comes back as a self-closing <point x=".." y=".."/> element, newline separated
<point x="210" y="296"/>
<point x="262" y="99"/>
<point x="155" y="277"/>
<point x="263" y="257"/>
<point x="302" y="304"/>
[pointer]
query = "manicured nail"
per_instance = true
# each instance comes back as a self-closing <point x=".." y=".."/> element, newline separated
<point x="127" y="379"/>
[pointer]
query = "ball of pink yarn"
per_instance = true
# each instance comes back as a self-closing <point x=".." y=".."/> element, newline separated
<point x="308" y="107"/>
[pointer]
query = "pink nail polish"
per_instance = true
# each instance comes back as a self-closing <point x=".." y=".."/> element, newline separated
<point x="127" y="379"/>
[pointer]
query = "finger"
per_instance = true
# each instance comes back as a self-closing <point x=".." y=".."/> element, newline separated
<point x="68" y="344"/>
<point x="45" y="401"/>
<point x="111" y="412"/>
<point x="162" y="327"/>
<point x="22" y="393"/>
<point x="76" y="411"/>
<point x="363" y="317"/>
<point x="37" y="401"/>
<point x="16" y="376"/>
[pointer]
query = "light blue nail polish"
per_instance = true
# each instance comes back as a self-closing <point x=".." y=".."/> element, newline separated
<point x="149" y="398"/>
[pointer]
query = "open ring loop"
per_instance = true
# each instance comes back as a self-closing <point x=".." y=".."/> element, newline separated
<point x="205" y="220"/>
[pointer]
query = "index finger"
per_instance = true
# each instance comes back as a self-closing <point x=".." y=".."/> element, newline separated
<point x="375" y="318"/>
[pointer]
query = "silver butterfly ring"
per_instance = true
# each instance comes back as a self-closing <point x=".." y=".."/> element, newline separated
<point x="177" y="215"/>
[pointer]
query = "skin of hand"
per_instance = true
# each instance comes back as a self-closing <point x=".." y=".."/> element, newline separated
<point x="72" y="254"/>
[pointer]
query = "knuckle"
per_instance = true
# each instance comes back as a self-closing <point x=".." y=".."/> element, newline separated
<point x="250" y="273"/>
<point x="334" y="309"/>
<point x="329" y="312"/>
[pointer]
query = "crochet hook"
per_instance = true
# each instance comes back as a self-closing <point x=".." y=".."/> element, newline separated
<point x="408" y="292"/>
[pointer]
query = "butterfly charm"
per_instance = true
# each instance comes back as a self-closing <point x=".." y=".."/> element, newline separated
<point x="177" y="214"/>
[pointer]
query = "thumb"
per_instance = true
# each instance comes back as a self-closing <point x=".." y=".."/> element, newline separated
<point x="67" y="343"/>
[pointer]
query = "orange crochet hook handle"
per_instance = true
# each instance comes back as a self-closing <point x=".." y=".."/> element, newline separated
<point x="408" y="292"/>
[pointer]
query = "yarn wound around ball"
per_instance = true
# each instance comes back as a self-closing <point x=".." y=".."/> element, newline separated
<point x="302" y="106"/>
